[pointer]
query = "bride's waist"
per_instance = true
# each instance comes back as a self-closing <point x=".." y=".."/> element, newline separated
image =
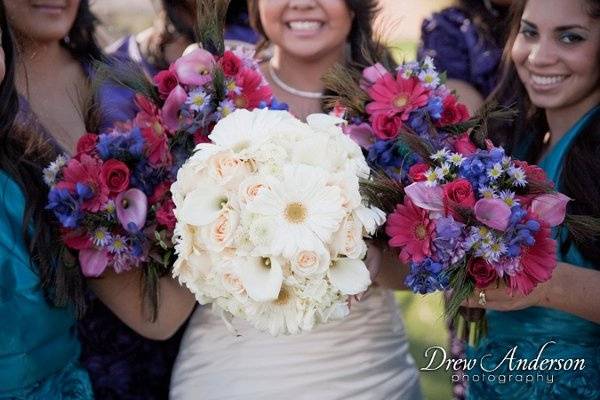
<point x="377" y="311"/>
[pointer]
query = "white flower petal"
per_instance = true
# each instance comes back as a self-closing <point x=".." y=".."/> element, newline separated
<point x="260" y="281"/>
<point x="349" y="276"/>
<point x="202" y="206"/>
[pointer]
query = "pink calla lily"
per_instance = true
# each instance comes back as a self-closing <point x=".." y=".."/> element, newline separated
<point x="132" y="207"/>
<point x="494" y="213"/>
<point x="195" y="68"/>
<point x="424" y="196"/>
<point x="173" y="104"/>
<point x="93" y="262"/>
<point x="361" y="134"/>
<point x="550" y="208"/>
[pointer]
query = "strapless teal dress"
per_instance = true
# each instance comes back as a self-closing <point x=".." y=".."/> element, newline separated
<point x="531" y="328"/>
<point x="39" y="349"/>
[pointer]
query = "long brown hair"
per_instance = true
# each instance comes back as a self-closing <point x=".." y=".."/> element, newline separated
<point x="360" y="37"/>
<point x="23" y="155"/>
<point x="524" y="136"/>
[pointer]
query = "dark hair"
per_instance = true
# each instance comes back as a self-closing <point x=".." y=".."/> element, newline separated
<point x="81" y="40"/>
<point x="490" y="19"/>
<point x="237" y="13"/>
<point x="360" y="37"/>
<point x="581" y="170"/>
<point x="23" y="155"/>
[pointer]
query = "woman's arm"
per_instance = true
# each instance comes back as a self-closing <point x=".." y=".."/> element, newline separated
<point x="571" y="289"/>
<point x="390" y="272"/>
<point x="467" y="94"/>
<point x="122" y="293"/>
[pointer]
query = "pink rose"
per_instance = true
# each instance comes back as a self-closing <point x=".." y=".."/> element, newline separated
<point x="386" y="127"/>
<point x="482" y="272"/>
<point x="230" y="63"/>
<point x="115" y="175"/>
<point x="417" y="172"/>
<point x="87" y="143"/>
<point x="166" y="82"/>
<point x="464" y="146"/>
<point x="458" y="194"/>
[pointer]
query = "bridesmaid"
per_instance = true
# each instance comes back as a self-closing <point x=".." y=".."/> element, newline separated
<point x="155" y="48"/>
<point x="553" y="64"/>
<point x="466" y="41"/>
<point x="56" y="47"/>
<point x="39" y="349"/>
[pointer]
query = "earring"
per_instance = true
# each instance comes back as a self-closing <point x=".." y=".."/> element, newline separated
<point x="67" y="40"/>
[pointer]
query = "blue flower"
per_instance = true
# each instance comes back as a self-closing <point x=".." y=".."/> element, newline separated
<point x="146" y="178"/>
<point x="435" y="107"/>
<point x="426" y="277"/>
<point x="121" y="146"/>
<point x="449" y="240"/>
<point x="383" y="154"/>
<point x="275" y="105"/>
<point x="66" y="207"/>
<point x="419" y="123"/>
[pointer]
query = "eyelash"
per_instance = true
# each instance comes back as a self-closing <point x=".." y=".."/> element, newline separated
<point x="566" y="38"/>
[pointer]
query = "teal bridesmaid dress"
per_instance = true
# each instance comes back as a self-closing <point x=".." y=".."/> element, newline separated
<point x="39" y="349"/>
<point x="531" y="328"/>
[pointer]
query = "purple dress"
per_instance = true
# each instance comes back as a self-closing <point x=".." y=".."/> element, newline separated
<point x="458" y="47"/>
<point x="122" y="364"/>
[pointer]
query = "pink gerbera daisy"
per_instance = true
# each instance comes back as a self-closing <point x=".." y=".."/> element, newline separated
<point x="410" y="229"/>
<point x="396" y="96"/>
<point x="537" y="262"/>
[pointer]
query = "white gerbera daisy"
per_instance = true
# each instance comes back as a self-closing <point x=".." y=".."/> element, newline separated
<point x="282" y="315"/>
<point x="243" y="129"/>
<point x="305" y="210"/>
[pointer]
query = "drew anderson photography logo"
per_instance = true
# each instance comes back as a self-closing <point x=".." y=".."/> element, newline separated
<point x="514" y="368"/>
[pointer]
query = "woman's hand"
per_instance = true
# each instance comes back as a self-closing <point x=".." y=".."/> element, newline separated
<point x="499" y="298"/>
<point x="571" y="289"/>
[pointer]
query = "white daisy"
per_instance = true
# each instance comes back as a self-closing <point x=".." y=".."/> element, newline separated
<point x="518" y="176"/>
<point x="496" y="171"/>
<point x="198" y="100"/>
<point x="440" y="155"/>
<point x="430" y="78"/>
<point x="52" y="170"/>
<point x="304" y="209"/>
<point x="456" y="159"/>
<point x="282" y="315"/>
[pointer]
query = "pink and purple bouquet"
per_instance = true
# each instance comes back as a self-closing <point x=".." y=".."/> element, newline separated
<point x="112" y="198"/>
<point x="389" y="102"/>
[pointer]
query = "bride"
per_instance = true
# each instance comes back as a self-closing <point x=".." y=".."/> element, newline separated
<point x="364" y="356"/>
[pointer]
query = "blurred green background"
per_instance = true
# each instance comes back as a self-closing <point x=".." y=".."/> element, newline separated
<point x="422" y="314"/>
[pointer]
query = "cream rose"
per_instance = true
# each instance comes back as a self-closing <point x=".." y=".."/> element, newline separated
<point x="349" y="240"/>
<point x="219" y="234"/>
<point x="225" y="167"/>
<point x="308" y="263"/>
<point x="250" y="188"/>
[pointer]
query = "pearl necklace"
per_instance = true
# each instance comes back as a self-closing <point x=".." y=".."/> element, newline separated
<point x="285" y="87"/>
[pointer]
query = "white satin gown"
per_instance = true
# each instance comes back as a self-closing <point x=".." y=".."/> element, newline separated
<point x="363" y="357"/>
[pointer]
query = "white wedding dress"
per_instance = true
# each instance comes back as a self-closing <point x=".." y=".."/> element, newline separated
<point x="363" y="357"/>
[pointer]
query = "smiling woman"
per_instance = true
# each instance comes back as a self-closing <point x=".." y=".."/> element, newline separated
<point x="364" y="356"/>
<point x="552" y="70"/>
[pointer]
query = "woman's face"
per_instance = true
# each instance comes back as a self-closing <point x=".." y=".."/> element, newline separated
<point x="306" y="28"/>
<point x="557" y="52"/>
<point x="41" y="20"/>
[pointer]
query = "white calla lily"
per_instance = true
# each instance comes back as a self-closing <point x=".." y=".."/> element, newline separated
<point x="262" y="277"/>
<point x="349" y="276"/>
<point x="203" y="205"/>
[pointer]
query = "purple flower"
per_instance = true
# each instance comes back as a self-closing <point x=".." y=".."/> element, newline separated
<point x="132" y="206"/>
<point x="449" y="240"/>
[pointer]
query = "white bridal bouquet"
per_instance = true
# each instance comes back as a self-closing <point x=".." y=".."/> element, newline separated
<point x="271" y="223"/>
